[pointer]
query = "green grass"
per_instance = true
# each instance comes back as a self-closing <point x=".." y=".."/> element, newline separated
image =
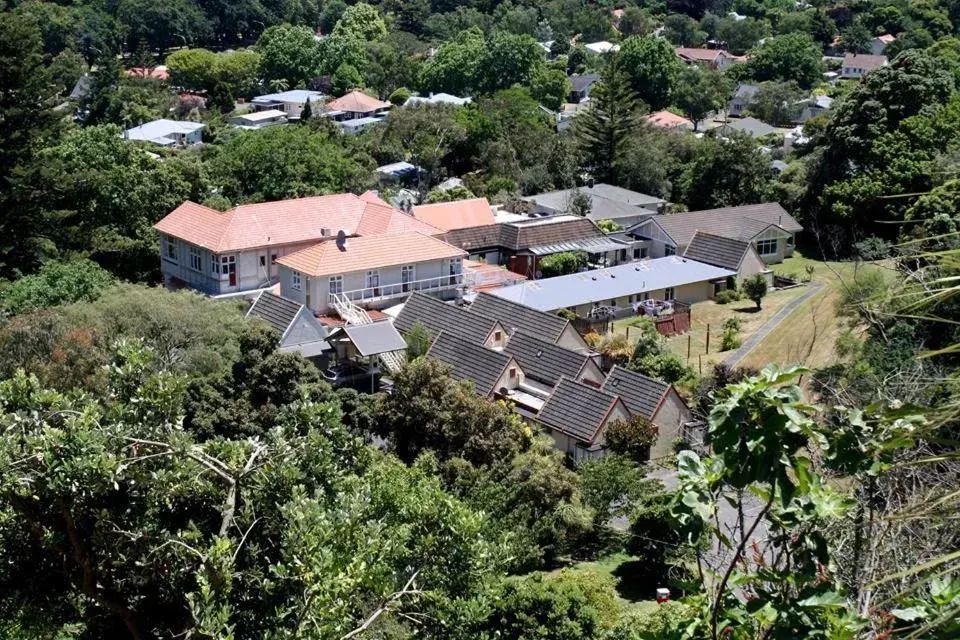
<point x="634" y="595"/>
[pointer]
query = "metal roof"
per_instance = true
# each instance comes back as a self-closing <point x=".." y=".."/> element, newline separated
<point x="614" y="282"/>
<point x="293" y="95"/>
<point x="376" y="338"/>
<point x="163" y="128"/>
<point x="590" y="245"/>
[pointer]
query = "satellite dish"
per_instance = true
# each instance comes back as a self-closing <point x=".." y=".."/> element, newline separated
<point x="341" y="240"/>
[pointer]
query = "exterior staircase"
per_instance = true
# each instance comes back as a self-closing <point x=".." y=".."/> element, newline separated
<point x="354" y="314"/>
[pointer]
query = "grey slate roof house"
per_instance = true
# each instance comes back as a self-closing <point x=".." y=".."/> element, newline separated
<point x="437" y="316"/>
<point x="576" y="414"/>
<point x="729" y="253"/>
<point x="515" y="316"/>
<point x="751" y="126"/>
<point x="488" y="370"/>
<point x="546" y="362"/>
<point x="742" y="99"/>
<point x="299" y="329"/>
<point x="656" y="401"/>
<point x="607" y="202"/>
<point x="581" y="84"/>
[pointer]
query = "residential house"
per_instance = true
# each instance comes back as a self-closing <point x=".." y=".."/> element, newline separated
<point x="620" y="287"/>
<point x="458" y="214"/>
<point x="728" y="253"/>
<point x="812" y="107"/>
<point x="259" y="119"/>
<point x="582" y="83"/>
<point x="601" y="47"/>
<point x="654" y="400"/>
<point x="358" y="125"/>
<point x="514" y="316"/>
<point x="607" y="202"/>
<point x="878" y="46"/>
<point x="743" y="97"/>
<point x="716" y="59"/>
<point x="357" y="104"/>
<point x="545" y="363"/>
<point x="857" y="65"/>
<point x="396" y="172"/>
<point x="750" y="126"/>
<point x="438" y="98"/>
<point x="768" y="227"/>
<point x="291" y="103"/>
<point x="158" y="72"/>
<point x="236" y="251"/>
<point x="437" y="316"/>
<point x="371" y="272"/>
<point x="576" y="416"/>
<point x="668" y="120"/>
<point x="167" y="133"/>
<point x="492" y="372"/>
<point x="373" y="342"/>
<point x="299" y="329"/>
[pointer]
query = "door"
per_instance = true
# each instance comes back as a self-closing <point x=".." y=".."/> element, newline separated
<point x="406" y="277"/>
<point x="228" y="266"/>
<point x="373" y="282"/>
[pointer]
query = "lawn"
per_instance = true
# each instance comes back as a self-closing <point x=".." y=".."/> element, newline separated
<point x="633" y="595"/>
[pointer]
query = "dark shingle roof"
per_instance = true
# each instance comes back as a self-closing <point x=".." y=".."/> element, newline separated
<point x="470" y="361"/>
<point x="470" y="238"/>
<point x="577" y="409"/>
<point x="742" y="223"/>
<point x="542" y="231"/>
<point x="584" y="80"/>
<point x="641" y="394"/>
<point x="544" y="361"/>
<point x="439" y="316"/>
<point x="716" y="250"/>
<point x="277" y="311"/>
<point x="513" y="315"/>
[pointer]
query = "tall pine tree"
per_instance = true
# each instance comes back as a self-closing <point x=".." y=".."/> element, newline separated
<point x="602" y="130"/>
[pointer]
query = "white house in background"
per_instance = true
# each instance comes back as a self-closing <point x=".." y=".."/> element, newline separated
<point x="237" y="250"/>
<point x="370" y="271"/>
<point x="812" y="107"/>
<point x="356" y="125"/>
<point x="290" y="102"/>
<point x="259" y="119"/>
<point x="167" y="133"/>
<point x="879" y="44"/>
<point x="742" y="99"/>
<point x="601" y="47"/>
<point x="716" y="59"/>
<point x="857" y="65"/>
<point x="438" y="98"/>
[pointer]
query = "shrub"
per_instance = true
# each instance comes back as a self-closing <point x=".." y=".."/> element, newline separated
<point x="631" y="438"/>
<point x="418" y="340"/>
<point x="727" y="296"/>
<point x="561" y="264"/>
<point x="731" y="335"/>
<point x="399" y="96"/>
<point x="755" y="288"/>
<point x="566" y="314"/>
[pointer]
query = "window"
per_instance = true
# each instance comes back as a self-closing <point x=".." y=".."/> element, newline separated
<point x="273" y="258"/>
<point x="790" y="241"/>
<point x="513" y="373"/>
<point x="669" y="251"/>
<point x="668" y="293"/>
<point x="214" y="264"/>
<point x="646" y="295"/>
<point x="497" y="336"/>
<point x="766" y="247"/>
<point x="407" y="276"/>
<point x="296" y="284"/>
<point x="196" y="260"/>
<point x="636" y="253"/>
<point x="373" y="279"/>
<point x="336" y="284"/>
<point x="171" y="248"/>
<point x="263" y="261"/>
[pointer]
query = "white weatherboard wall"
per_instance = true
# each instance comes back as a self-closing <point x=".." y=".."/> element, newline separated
<point x="688" y="293"/>
<point x="668" y="419"/>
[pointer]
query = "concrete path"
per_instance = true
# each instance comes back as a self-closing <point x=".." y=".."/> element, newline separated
<point x="734" y="358"/>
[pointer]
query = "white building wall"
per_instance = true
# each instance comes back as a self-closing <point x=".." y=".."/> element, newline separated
<point x="668" y="419"/>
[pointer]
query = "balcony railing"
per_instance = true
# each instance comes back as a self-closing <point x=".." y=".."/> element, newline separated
<point x="373" y="294"/>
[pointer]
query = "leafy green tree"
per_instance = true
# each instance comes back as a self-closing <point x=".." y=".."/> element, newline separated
<point x="613" y="485"/>
<point x="602" y="130"/>
<point x="457" y="67"/>
<point x="755" y="288"/>
<point x="726" y="172"/>
<point x="289" y="53"/>
<point x="550" y="86"/>
<point x="65" y="69"/>
<point x="428" y="134"/>
<point x="652" y="67"/>
<point x="776" y="102"/>
<point x="631" y="438"/>
<point x="418" y="340"/>
<point x="792" y="56"/>
<point x="287" y="162"/>
<point x="361" y="22"/>
<point x="563" y="263"/>
<point x="856" y="38"/>
<point x="577" y="59"/>
<point x="193" y="69"/>
<point x="742" y="35"/>
<point x="162" y="25"/>
<point x="635" y="22"/>
<point x="652" y="357"/>
<point x="683" y="31"/>
<point x="345" y="79"/>
<point x="700" y="92"/>
<point x="56" y="283"/>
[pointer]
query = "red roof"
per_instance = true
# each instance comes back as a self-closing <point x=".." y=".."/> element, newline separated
<point x="863" y="61"/>
<point x="157" y="73"/>
<point x="285" y="222"/>
<point x="706" y="55"/>
<point x="458" y="214"/>
<point x="373" y="198"/>
<point x="886" y="38"/>
<point x="667" y="120"/>
<point x="357" y="102"/>
<point x="371" y="252"/>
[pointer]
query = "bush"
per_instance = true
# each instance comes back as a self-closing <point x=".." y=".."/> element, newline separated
<point x="730" y="340"/>
<point x="755" y="288"/>
<point x="418" y="340"/>
<point x="727" y="296"/>
<point x="566" y="314"/>
<point x="631" y="438"/>
<point x="56" y="283"/>
<point x="399" y="96"/>
<point x="561" y="264"/>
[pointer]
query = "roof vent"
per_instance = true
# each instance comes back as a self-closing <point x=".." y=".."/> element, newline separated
<point x="539" y="353"/>
<point x="325" y="231"/>
<point x="341" y="240"/>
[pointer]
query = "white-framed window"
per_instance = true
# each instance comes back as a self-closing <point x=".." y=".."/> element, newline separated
<point x="456" y="266"/>
<point x="214" y="264"/>
<point x="669" y="250"/>
<point x="790" y="241"/>
<point x="373" y="279"/>
<point x="296" y="282"/>
<point x="170" y="248"/>
<point x="767" y="247"/>
<point x="669" y="293"/>
<point x="336" y="284"/>
<point x="196" y="259"/>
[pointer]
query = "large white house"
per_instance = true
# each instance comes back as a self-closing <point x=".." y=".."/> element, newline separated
<point x="237" y="250"/>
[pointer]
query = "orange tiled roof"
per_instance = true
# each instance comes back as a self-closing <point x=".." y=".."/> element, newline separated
<point x="694" y="53"/>
<point x="357" y="102"/>
<point x="458" y="214"/>
<point x="285" y="222"/>
<point x="667" y="120"/>
<point x="157" y="73"/>
<point x="369" y="252"/>
<point x="372" y="197"/>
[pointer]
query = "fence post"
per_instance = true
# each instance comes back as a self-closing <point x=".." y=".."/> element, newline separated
<point x="708" y="339"/>
<point x="689" y="338"/>
<point x="700" y="362"/>
<point x="628" y="333"/>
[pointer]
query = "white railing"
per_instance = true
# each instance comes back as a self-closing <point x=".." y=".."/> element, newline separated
<point x="371" y="294"/>
<point x="352" y="314"/>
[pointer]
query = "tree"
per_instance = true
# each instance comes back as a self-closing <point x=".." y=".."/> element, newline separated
<point x="652" y="67"/>
<point x="162" y="25"/>
<point x="856" y="38"/>
<point x="742" y="35"/>
<point x="193" y="69"/>
<point x="700" y="92"/>
<point x="510" y="60"/>
<point x="755" y="288"/>
<point x="683" y="31"/>
<point x="631" y="438"/>
<point x="550" y="86"/>
<point x="56" y="283"/>
<point x="731" y="335"/>
<point x="563" y="263"/>
<point x="613" y="486"/>
<point x="776" y="102"/>
<point x="457" y="65"/>
<point x="652" y="357"/>
<point x="345" y="79"/>
<point x="418" y="340"/>
<point x="577" y="59"/>
<point x="602" y="129"/>
<point x="288" y="53"/>
<point x="635" y="22"/>
<point x="792" y="56"/>
<point x="427" y="133"/>
<point x="361" y="22"/>
<point x="726" y="172"/>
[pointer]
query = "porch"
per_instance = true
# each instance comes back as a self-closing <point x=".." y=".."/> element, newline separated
<point x="378" y="293"/>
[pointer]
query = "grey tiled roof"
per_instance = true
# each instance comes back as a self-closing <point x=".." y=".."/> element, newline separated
<point x="716" y="250"/>
<point x="471" y="238"/>
<point x="741" y="223"/>
<point x="470" y="361"/>
<point x="439" y="316"/>
<point x="640" y="393"/>
<point x="584" y="80"/>
<point x="278" y="312"/>
<point x="517" y="236"/>
<point x="542" y="360"/>
<point x="513" y="315"/>
<point x="577" y="409"/>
